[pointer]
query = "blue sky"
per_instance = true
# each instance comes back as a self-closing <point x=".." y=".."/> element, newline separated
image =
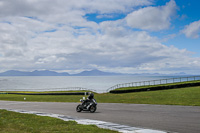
<point x="187" y="12"/>
<point x="127" y="36"/>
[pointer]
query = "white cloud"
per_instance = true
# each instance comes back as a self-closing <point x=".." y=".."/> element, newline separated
<point x="192" y="30"/>
<point x="56" y="35"/>
<point x="152" y="18"/>
<point x="44" y="7"/>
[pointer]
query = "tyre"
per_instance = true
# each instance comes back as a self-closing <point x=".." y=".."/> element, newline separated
<point x="92" y="109"/>
<point x="79" y="108"/>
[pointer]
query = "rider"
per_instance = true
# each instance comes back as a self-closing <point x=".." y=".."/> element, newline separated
<point x="89" y="99"/>
<point x="91" y="96"/>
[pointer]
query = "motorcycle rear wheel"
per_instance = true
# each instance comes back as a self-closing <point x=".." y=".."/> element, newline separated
<point x="79" y="108"/>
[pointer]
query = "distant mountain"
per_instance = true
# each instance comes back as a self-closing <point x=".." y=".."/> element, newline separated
<point x="14" y="73"/>
<point x="53" y="73"/>
<point x="34" y="73"/>
<point x="48" y="73"/>
<point x="160" y="74"/>
<point x="96" y="72"/>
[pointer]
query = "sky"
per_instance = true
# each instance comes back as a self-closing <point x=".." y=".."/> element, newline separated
<point x="126" y="36"/>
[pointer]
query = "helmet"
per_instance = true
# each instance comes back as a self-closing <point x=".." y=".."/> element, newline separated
<point x="91" y="96"/>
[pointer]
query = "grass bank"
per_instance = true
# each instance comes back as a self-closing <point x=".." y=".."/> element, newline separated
<point x="182" y="96"/>
<point x="157" y="87"/>
<point x="189" y="96"/>
<point x="12" y="122"/>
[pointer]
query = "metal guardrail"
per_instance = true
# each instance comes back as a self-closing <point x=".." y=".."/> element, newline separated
<point x="154" y="82"/>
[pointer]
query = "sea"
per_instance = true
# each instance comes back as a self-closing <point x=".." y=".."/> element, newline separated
<point x="99" y="84"/>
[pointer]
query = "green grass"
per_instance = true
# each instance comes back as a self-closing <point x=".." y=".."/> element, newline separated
<point x="41" y="98"/>
<point x="12" y="122"/>
<point x="182" y="96"/>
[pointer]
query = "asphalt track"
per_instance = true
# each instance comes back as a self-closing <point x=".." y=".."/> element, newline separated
<point x="182" y="119"/>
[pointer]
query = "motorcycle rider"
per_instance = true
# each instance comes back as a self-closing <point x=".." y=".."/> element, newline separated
<point x="89" y="99"/>
<point x="91" y="96"/>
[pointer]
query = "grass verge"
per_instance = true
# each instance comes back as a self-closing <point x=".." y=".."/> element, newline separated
<point x="12" y="122"/>
<point x="183" y="96"/>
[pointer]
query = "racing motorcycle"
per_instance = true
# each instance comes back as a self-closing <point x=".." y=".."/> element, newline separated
<point x="91" y="105"/>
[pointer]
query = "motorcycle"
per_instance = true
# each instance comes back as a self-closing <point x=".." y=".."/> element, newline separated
<point x="87" y="106"/>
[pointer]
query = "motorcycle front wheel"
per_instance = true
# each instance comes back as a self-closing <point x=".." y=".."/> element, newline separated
<point x="79" y="108"/>
<point x="92" y="109"/>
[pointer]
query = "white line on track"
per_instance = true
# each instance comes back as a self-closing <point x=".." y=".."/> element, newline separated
<point x="100" y="124"/>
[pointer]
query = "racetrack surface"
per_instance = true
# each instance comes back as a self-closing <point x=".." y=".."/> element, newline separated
<point x="182" y="119"/>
